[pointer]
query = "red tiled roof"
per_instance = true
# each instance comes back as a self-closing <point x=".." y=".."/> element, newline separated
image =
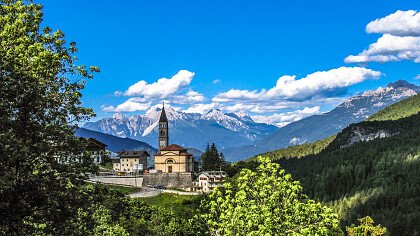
<point x="173" y="147"/>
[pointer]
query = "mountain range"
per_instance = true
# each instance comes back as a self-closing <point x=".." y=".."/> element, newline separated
<point x="115" y="144"/>
<point x="238" y="136"/>
<point x="187" y="129"/>
<point x="316" y="127"/>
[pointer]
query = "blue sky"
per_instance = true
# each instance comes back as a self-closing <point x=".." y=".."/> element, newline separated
<point x="233" y="52"/>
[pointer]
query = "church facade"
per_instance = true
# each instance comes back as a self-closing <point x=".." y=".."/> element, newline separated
<point x="171" y="158"/>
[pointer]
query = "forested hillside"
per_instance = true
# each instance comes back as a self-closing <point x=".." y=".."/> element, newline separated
<point x="298" y="150"/>
<point x="406" y="107"/>
<point x="370" y="168"/>
<point x="378" y="178"/>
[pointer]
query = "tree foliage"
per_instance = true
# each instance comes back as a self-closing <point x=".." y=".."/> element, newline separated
<point x="366" y="228"/>
<point x="211" y="159"/>
<point x="40" y="107"/>
<point x="267" y="202"/>
<point x="376" y="178"/>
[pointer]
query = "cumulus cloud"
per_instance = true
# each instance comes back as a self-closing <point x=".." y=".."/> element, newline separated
<point x="401" y="39"/>
<point x="175" y="90"/>
<point x="190" y="97"/>
<point x="389" y="48"/>
<point x="282" y="119"/>
<point x="132" y="104"/>
<point x="162" y="88"/>
<point x="288" y="87"/>
<point x="402" y="23"/>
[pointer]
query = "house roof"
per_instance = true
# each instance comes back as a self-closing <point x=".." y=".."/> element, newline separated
<point x="173" y="147"/>
<point x="163" y="117"/>
<point x="94" y="144"/>
<point x="213" y="174"/>
<point x="128" y="154"/>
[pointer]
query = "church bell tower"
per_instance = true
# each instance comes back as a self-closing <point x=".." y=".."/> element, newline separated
<point x="163" y="129"/>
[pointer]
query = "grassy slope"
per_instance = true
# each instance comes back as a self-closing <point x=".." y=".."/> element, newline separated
<point x="404" y="108"/>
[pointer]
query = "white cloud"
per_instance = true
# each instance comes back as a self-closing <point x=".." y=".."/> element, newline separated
<point x="288" y="87"/>
<point x="389" y="48"/>
<point x="217" y="81"/>
<point x="175" y="90"/>
<point x="401" y="39"/>
<point x="201" y="108"/>
<point x="282" y="119"/>
<point x="162" y="88"/>
<point x="402" y="23"/>
<point x="132" y="104"/>
<point x="190" y="97"/>
<point x="417" y="76"/>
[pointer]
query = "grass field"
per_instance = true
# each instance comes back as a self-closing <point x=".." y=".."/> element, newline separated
<point x="171" y="201"/>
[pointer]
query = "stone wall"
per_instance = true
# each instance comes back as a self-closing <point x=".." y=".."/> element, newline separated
<point x="178" y="180"/>
<point x="126" y="180"/>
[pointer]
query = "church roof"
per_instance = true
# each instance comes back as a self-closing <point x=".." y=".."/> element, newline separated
<point x="173" y="147"/>
<point x="163" y="117"/>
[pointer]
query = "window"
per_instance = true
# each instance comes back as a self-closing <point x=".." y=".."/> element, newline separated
<point x="170" y="161"/>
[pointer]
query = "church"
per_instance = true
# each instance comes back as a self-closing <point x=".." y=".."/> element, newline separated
<point x="171" y="158"/>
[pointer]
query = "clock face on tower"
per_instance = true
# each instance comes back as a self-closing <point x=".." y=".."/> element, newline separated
<point x="162" y="143"/>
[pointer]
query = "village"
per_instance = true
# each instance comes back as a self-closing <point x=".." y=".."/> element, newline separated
<point x="173" y="169"/>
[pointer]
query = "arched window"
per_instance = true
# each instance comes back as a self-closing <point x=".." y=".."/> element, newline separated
<point x="162" y="132"/>
<point x="170" y="161"/>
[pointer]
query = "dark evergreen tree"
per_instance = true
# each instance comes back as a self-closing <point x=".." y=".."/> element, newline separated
<point x="223" y="162"/>
<point x="211" y="159"/>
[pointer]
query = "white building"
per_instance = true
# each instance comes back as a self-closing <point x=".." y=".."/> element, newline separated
<point x="208" y="180"/>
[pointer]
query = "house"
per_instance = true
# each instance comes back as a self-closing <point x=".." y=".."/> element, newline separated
<point x="116" y="165"/>
<point x="97" y="149"/>
<point x="208" y="180"/>
<point x="130" y="162"/>
<point x="171" y="158"/>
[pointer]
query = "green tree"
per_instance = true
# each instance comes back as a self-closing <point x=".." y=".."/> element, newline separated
<point x="366" y="228"/>
<point x="212" y="160"/>
<point x="104" y="226"/>
<point x="266" y="202"/>
<point x="42" y="162"/>
<point x="223" y="162"/>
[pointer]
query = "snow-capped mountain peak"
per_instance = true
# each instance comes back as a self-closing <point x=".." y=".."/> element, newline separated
<point x="187" y="129"/>
<point x="119" y="116"/>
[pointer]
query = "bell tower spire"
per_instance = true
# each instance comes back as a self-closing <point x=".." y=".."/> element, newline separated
<point x="163" y="129"/>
